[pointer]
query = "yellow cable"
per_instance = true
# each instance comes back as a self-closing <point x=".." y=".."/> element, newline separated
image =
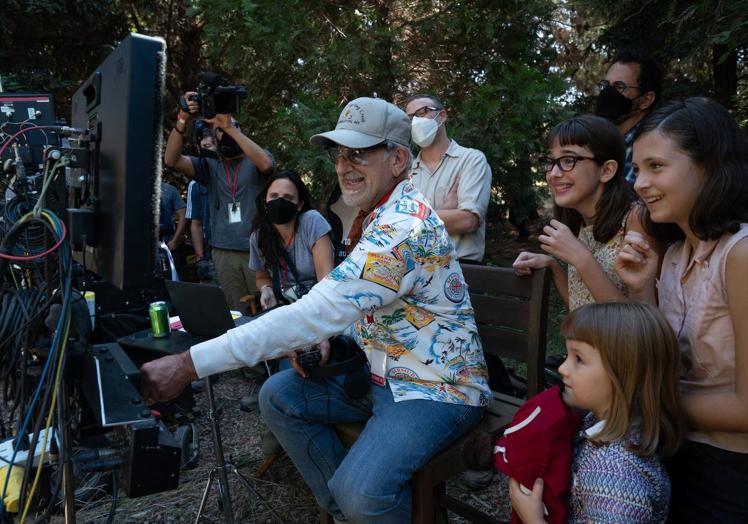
<point x="13" y="274"/>
<point x="58" y="380"/>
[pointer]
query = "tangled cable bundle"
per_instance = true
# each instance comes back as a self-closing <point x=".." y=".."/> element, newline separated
<point x="31" y="240"/>
<point x="27" y="296"/>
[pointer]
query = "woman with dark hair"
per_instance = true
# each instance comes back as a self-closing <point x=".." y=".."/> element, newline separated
<point x="691" y="161"/>
<point x="289" y="250"/>
<point x="290" y="246"/>
<point x="593" y="209"/>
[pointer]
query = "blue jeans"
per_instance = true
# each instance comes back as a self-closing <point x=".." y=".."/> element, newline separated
<point x="371" y="481"/>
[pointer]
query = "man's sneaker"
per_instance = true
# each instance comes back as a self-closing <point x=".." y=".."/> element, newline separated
<point x="477" y="451"/>
<point x="249" y="403"/>
<point x="477" y="480"/>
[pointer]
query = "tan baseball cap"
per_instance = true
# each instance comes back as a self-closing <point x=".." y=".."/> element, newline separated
<point x="367" y="122"/>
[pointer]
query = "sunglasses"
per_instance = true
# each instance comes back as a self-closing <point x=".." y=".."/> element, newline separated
<point x="357" y="157"/>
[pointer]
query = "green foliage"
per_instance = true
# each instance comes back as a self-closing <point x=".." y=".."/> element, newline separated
<point x="53" y="46"/>
<point x="41" y="48"/>
<point x="302" y="61"/>
<point x="491" y="63"/>
<point x="701" y="44"/>
<point x="500" y="67"/>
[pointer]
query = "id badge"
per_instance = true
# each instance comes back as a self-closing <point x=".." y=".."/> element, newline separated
<point x="235" y="212"/>
<point x="378" y="367"/>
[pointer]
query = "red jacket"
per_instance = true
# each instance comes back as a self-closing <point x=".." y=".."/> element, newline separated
<point x="538" y="443"/>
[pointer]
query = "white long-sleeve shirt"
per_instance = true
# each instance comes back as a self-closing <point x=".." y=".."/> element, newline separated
<point x="402" y="289"/>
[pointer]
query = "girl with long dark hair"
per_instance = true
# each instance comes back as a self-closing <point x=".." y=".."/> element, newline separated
<point x="691" y="161"/>
<point x="593" y="209"/>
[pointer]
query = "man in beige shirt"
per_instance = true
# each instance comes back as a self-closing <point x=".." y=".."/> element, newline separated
<point x="455" y="180"/>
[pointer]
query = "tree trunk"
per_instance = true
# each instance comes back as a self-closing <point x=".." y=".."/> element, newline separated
<point x="725" y="73"/>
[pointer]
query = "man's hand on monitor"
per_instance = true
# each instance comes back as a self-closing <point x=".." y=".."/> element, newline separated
<point x="165" y="378"/>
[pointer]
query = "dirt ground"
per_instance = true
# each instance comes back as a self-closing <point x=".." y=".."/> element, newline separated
<point x="281" y="487"/>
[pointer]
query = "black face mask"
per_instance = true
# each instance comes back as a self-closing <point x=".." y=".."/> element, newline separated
<point x="281" y="211"/>
<point x="612" y="105"/>
<point x="208" y="153"/>
<point x="228" y="148"/>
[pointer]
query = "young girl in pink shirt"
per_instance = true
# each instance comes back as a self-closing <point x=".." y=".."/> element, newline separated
<point x="691" y="162"/>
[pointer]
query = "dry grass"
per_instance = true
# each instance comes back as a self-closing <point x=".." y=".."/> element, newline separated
<point x="281" y="487"/>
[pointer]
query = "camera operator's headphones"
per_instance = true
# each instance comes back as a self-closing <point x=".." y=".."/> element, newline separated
<point x="346" y="358"/>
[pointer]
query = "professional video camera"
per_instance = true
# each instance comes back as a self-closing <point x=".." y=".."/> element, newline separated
<point x="216" y="96"/>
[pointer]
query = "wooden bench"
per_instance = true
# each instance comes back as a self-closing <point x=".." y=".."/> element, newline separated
<point x="511" y="313"/>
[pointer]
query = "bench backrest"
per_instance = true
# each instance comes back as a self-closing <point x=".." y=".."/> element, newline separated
<point x="512" y="315"/>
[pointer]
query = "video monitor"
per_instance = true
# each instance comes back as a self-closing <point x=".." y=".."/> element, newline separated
<point x="115" y="199"/>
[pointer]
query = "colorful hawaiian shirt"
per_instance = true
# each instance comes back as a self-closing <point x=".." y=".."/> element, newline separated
<point x="400" y="292"/>
<point x="404" y="277"/>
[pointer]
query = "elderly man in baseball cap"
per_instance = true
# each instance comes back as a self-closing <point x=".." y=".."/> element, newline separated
<point x="401" y="294"/>
<point x="368" y="130"/>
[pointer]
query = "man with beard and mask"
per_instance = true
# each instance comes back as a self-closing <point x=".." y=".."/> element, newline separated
<point x="198" y="208"/>
<point x="632" y="87"/>
<point x="455" y="180"/>
<point x="233" y="181"/>
<point x="402" y="294"/>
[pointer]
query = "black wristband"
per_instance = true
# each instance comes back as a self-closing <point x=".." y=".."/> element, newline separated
<point x="178" y="131"/>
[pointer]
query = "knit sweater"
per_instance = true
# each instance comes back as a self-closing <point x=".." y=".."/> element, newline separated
<point x="614" y="485"/>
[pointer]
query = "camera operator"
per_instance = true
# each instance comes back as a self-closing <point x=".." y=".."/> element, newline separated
<point x="233" y="181"/>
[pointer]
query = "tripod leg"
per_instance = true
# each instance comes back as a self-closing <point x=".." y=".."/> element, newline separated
<point x="250" y="487"/>
<point x="225" y="496"/>
<point x="205" y="497"/>
<point x="220" y="469"/>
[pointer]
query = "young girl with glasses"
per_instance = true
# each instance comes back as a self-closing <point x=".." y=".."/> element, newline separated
<point x="593" y="209"/>
<point x="691" y="161"/>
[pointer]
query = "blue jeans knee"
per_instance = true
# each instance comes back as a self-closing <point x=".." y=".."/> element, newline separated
<point x="357" y="502"/>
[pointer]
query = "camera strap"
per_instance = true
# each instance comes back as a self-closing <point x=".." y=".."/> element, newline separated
<point x="276" y="275"/>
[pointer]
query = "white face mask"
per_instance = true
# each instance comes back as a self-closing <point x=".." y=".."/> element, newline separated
<point x="423" y="130"/>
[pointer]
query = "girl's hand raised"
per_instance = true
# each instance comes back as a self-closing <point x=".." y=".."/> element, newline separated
<point x="559" y="241"/>
<point x="526" y="262"/>
<point x="637" y="263"/>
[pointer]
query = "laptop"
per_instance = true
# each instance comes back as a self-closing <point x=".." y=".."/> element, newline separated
<point x="202" y="308"/>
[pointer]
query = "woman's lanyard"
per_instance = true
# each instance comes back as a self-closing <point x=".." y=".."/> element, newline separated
<point x="284" y="264"/>
<point x="232" y="186"/>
